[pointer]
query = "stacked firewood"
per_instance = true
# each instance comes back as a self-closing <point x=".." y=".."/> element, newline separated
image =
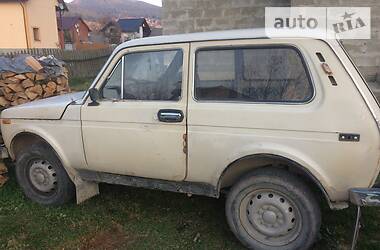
<point x="26" y="78"/>
<point x="18" y="89"/>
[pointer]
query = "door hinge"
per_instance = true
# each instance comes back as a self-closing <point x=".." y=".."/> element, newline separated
<point x="349" y="137"/>
<point x="184" y="143"/>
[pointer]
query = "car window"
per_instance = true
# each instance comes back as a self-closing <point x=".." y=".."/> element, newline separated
<point x="213" y="65"/>
<point x="155" y="75"/>
<point x="261" y="74"/>
<point x="112" y="88"/>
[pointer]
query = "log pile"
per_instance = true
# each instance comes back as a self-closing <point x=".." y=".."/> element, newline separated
<point x="24" y="79"/>
<point x="19" y="88"/>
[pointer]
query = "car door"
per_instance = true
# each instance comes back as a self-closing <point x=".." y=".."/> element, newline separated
<point x="139" y="125"/>
<point x="259" y="93"/>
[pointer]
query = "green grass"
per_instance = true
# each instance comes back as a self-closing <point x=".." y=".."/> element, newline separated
<point x="124" y="217"/>
<point x="80" y="84"/>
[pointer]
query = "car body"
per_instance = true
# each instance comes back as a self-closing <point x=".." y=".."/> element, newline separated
<point x="217" y="115"/>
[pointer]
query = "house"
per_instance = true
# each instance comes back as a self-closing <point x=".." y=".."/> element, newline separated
<point x="29" y="23"/>
<point x="225" y="15"/>
<point x="156" y="32"/>
<point x="73" y="32"/>
<point x="126" y="29"/>
<point x="110" y="33"/>
<point x="132" y="28"/>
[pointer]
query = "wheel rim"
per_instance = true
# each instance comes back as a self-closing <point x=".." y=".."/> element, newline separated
<point x="270" y="217"/>
<point x="42" y="176"/>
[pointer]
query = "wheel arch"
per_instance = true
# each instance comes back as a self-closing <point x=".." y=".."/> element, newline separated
<point x="242" y="166"/>
<point x="23" y="140"/>
<point x="26" y="138"/>
<point x="84" y="189"/>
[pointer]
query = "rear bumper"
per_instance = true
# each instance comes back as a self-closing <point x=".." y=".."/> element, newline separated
<point x="365" y="197"/>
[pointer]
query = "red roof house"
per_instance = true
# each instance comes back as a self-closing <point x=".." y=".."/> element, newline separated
<point x="73" y="32"/>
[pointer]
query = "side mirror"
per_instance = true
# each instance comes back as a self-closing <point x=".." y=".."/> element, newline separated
<point x="94" y="96"/>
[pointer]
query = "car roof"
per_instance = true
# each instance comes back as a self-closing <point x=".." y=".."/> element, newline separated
<point x="203" y="36"/>
<point x="196" y="37"/>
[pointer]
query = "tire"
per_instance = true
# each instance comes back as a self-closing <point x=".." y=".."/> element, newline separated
<point x="42" y="177"/>
<point x="272" y="209"/>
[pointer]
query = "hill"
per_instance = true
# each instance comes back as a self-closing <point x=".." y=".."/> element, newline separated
<point x="97" y="9"/>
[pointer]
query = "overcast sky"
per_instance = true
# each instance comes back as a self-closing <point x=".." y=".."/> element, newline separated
<point x="155" y="2"/>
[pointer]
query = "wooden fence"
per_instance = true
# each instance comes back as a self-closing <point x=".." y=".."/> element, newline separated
<point x="80" y="63"/>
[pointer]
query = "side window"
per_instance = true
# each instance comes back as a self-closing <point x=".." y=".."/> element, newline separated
<point x="112" y="88"/>
<point x="252" y="75"/>
<point x="154" y="75"/>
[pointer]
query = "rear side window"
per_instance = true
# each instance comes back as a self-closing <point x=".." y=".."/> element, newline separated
<point x="266" y="74"/>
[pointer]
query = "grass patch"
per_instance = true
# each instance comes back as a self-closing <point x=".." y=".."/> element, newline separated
<point x="80" y="84"/>
<point x="123" y="217"/>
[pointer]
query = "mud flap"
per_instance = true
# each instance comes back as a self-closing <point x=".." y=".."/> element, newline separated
<point x="84" y="189"/>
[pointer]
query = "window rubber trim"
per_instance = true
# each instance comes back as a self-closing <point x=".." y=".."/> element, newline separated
<point x="122" y="78"/>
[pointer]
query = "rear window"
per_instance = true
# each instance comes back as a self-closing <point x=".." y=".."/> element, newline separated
<point x="275" y="74"/>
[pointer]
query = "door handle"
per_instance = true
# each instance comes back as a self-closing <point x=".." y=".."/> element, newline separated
<point x="170" y="115"/>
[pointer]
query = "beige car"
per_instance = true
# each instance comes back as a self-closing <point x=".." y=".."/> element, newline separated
<point x="273" y="123"/>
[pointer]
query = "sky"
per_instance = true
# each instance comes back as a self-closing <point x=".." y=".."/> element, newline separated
<point x="155" y="2"/>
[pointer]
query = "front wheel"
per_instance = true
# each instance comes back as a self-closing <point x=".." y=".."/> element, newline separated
<point x="42" y="177"/>
<point x="272" y="209"/>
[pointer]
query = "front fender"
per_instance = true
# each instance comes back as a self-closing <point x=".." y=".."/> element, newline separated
<point x="69" y="149"/>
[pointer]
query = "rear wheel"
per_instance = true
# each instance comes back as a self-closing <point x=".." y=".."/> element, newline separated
<point x="272" y="209"/>
<point x="42" y="177"/>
